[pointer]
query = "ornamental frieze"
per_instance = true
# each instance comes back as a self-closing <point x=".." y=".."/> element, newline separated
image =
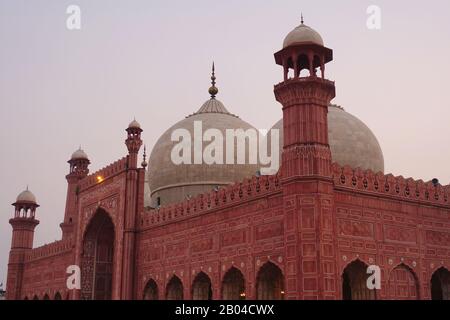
<point x="437" y="238"/>
<point x="355" y="228"/>
<point x="104" y="190"/>
<point x="397" y="234"/>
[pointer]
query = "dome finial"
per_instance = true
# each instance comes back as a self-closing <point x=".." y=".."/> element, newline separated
<point x="144" y="161"/>
<point x="213" y="89"/>
<point x="302" y="21"/>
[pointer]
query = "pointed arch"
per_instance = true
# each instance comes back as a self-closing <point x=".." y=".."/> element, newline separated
<point x="201" y="287"/>
<point x="403" y="283"/>
<point x="151" y="290"/>
<point x="303" y="64"/>
<point x="57" y="296"/>
<point x="46" y="297"/>
<point x="233" y="285"/>
<point x="270" y="282"/>
<point x="97" y="257"/>
<point x="289" y="68"/>
<point x="354" y="282"/>
<point x="35" y="297"/>
<point x="25" y="298"/>
<point x="174" y="289"/>
<point x="317" y="66"/>
<point x="440" y="284"/>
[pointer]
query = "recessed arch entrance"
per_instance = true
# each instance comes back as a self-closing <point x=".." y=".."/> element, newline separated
<point x="97" y="258"/>
<point x="151" y="290"/>
<point x="201" y="287"/>
<point x="403" y="284"/>
<point x="440" y="285"/>
<point x="270" y="283"/>
<point x="58" y="296"/>
<point x="233" y="285"/>
<point x="174" y="289"/>
<point x="354" y="282"/>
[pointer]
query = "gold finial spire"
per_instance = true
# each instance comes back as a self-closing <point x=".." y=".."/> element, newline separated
<point x="144" y="161"/>
<point x="213" y="89"/>
<point x="302" y="21"/>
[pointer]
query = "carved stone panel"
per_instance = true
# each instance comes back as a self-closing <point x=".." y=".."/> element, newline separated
<point x="398" y="234"/>
<point x="355" y="228"/>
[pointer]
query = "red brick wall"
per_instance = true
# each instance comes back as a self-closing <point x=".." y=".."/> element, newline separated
<point x="46" y="276"/>
<point x="244" y="236"/>
<point x="388" y="233"/>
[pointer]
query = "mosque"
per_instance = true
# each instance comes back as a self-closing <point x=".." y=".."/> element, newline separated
<point x="158" y="230"/>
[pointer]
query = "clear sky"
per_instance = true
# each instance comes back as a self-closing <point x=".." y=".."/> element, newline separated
<point x="151" y="60"/>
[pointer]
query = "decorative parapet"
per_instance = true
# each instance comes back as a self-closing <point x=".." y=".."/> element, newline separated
<point x="305" y="79"/>
<point x="304" y="90"/>
<point x="233" y="194"/>
<point x="389" y="185"/>
<point x="104" y="173"/>
<point x="49" y="250"/>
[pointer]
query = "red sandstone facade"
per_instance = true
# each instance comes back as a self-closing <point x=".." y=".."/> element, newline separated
<point x="308" y="232"/>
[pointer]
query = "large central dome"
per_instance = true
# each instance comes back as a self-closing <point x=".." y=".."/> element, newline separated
<point x="170" y="182"/>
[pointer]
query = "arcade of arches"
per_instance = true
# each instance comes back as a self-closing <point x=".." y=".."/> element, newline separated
<point x="403" y="284"/>
<point x="270" y="284"/>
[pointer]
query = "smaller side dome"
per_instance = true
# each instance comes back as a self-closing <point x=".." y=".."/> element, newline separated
<point x="134" y="125"/>
<point x="26" y="197"/>
<point x="79" y="155"/>
<point x="303" y="34"/>
<point x="351" y="142"/>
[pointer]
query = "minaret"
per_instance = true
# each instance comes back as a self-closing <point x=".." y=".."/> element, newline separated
<point x="23" y="223"/>
<point x="79" y="169"/>
<point x="306" y="164"/>
<point x="133" y="143"/>
<point x="134" y="202"/>
<point x="305" y="104"/>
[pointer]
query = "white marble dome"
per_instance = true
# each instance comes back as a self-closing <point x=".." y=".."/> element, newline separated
<point x="351" y="141"/>
<point x="172" y="183"/>
<point x="134" y="124"/>
<point x="26" y="197"/>
<point x="301" y="35"/>
<point x="79" y="154"/>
